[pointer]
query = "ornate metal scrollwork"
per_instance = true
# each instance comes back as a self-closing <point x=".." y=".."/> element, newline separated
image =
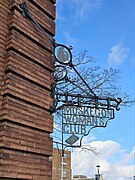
<point x="60" y="73"/>
<point x="63" y="57"/>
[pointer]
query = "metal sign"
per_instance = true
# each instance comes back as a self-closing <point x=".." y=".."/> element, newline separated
<point x="72" y="139"/>
<point x="76" y="119"/>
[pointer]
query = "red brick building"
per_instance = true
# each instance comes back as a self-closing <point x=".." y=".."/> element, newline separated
<point x="25" y="79"/>
<point x="57" y="165"/>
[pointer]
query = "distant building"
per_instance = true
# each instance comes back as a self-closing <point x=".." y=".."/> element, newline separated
<point x="82" y="177"/>
<point x="57" y="165"/>
<point x="67" y="172"/>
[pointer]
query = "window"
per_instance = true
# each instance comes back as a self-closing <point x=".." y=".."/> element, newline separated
<point x="65" y="155"/>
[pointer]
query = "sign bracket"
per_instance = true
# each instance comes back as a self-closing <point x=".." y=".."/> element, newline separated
<point x="85" y="100"/>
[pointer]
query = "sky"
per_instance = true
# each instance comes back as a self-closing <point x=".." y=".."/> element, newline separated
<point x="106" y="29"/>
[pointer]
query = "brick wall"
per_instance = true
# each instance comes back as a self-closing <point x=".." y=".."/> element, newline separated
<point x="25" y="79"/>
<point x="57" y="166"/>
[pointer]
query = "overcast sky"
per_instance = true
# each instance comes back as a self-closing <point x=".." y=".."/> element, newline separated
<point x="106" y="28"/>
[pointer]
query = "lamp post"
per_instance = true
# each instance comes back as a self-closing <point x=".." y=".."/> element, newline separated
<point x="98" y="166"/>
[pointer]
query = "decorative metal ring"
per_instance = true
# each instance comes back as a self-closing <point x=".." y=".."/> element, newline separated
<point x="60" y="73"/>
<point x="63" y="54"/>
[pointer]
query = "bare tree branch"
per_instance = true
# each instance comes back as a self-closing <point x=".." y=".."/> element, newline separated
<point x="102" y="82"/>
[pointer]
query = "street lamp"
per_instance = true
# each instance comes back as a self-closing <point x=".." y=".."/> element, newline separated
<point x="98" y="166"/>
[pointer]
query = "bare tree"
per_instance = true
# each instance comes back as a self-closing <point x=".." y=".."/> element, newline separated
<point x="103" y="82"/>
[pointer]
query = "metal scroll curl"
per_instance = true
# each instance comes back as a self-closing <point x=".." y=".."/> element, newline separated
<point x="60" y="73"/>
